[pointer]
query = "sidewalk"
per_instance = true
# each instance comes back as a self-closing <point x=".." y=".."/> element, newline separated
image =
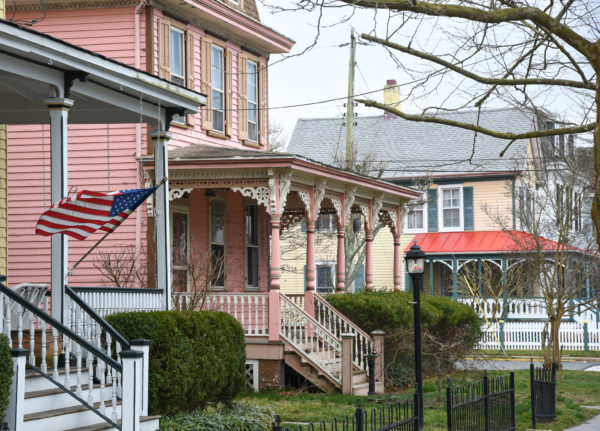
<point x="591" y="425"/>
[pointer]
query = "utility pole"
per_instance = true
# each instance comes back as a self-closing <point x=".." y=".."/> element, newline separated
<point x="350" y="104"/>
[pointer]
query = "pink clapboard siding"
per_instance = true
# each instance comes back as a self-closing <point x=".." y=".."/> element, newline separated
<point x="98" y="162"/>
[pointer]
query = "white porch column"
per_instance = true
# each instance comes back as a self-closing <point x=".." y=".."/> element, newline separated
<point x="161" y="214"/>
<point x="59" y="113"/>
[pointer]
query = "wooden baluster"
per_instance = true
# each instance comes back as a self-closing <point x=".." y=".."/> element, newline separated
<point x="100" y="368"/>
<point x="90" y="362"/>
<point x="119" y="376"/>
<point x="55" y="353"/>
<point x="19" y="325"/>
<point x="113" y="379"/>
<point x="44" y="365"/>
<point x="78" y="352"/>
<point x="256" y="299"/>
<point x="67" y="349"/>
<point x="31" y="338"/>
<point x="109" y="354"/>
<point x="7" y="321"/>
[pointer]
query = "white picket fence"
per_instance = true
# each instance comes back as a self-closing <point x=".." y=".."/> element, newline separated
<point x="528" y="336"/>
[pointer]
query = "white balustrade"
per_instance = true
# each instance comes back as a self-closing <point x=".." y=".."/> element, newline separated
<point x="311" y="338"/>
<point x="337" y="323"/>
<point x="106" y="301"/>
<point x="528" y="309"/>
<point x="250" y="309"/>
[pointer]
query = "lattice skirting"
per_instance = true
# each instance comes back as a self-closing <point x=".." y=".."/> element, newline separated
<point x="252" y="374"/>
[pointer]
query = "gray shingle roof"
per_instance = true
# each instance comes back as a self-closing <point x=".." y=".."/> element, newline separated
<point x="415" y="148"/>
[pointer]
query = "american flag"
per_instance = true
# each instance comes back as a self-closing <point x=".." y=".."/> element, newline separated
<point x="85" y="212"/>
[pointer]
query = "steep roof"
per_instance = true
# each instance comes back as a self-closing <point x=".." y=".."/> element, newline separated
<point x="412" y="149"/>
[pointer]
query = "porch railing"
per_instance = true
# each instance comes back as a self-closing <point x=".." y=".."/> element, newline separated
<point x="529" y="309"/>
<point x="250" y="309"/>
<point x="81" y="346"/>
<point x="311" y="339"/>
<point x="111" y="300"/>
<point x="337" y="324"/>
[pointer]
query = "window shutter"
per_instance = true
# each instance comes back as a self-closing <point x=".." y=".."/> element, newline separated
<point x="164" y="49"/>
<point x="303" y="225"/>
<point x="359" y="280"/>
<point x="228" y="92"/>
<point x="432" y="211"/>
<point x="206" y="63"/>
<point x="243" y="97"/>
<point x="190" y="69"/>
<point x="469" y="222"/>
<point x="263" y="96"/>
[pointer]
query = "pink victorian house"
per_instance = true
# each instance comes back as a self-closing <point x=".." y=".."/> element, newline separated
<point x="227" y="196"/>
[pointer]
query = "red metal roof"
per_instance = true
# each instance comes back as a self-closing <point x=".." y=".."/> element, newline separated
<point x="479" y="242"/>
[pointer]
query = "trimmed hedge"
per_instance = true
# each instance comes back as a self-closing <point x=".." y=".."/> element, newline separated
<point x="448" y="322"/>
<point x="6" y="373"/>
<point x="195" y="357"/>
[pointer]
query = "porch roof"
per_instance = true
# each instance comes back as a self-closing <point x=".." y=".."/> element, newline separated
<point x="237" y="160"/>
<point x="483" y="242"/>
<point x="35" y="66"/>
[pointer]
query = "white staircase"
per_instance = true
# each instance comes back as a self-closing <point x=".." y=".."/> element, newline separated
<point x="313" y="347"/>
<point x="76" y="376"/>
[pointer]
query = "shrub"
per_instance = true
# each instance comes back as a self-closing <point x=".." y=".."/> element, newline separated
<point x="6" y="373"/>
<point x="450" y="329"/>
<point x="195" y="357"/>
<point x="241" y="416"/>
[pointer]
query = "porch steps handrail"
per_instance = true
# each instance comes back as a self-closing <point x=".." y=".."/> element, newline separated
<point x="336" y="323"/>
<point x="108" y="370"/>
<point x="311" y="340"/>
<point x="97" y="318"/>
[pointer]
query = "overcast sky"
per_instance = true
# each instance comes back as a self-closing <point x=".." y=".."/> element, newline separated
<point x="322" y="73"/>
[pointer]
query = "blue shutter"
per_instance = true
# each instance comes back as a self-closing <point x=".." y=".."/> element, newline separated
<point x="359" y="280"/>
<point x="468" y="208"/>
<point x="304" y="278"/>
<point x="303" y="225"/>
<point x="432" y="211"/>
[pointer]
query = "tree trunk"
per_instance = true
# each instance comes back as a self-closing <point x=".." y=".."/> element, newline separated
<point x="596" y="201"/>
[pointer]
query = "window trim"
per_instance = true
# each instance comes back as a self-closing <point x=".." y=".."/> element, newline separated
<point x="257" y="247"/>
<point x="183" y="53"/>
<point x="461" y="215"/>
<point x="331" y="229"/>
<point x="425" y="219"/>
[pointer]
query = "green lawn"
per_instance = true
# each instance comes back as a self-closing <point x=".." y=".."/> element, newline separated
<point x="574" y="389"/>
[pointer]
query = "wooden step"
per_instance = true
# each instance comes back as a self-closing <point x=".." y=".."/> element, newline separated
<point x="66" y="417"/>
<point x="147" y="423"/>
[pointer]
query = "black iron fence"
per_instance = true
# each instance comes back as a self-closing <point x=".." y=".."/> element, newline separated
<point x="398" y="416"/>
<point x="543" y="394"/>
<point x="488" y="405"/>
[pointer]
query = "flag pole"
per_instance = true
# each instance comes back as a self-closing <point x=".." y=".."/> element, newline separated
<point x="164" y="180"/>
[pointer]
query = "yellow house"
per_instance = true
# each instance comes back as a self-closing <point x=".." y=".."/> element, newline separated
<point x="472" y="198"/>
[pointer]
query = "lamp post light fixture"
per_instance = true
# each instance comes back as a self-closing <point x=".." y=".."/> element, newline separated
<point x="415" y="264"/>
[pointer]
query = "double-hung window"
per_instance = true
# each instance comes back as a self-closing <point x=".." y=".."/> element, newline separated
<point x="450" y="207"/>
<point x="416" y="218"/>
<point x="325" y="282"/>
<point x="177" y="37"/>
<point x="326" y="223"/>
<point x="252" y="78"/>
<point x="218" y="88"/>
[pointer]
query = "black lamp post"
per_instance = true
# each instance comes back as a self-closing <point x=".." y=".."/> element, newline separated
<point x="415" y="263"/>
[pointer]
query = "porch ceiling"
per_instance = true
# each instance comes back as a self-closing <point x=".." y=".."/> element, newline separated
<point x="35" y="66"/>
<point x="194" y="163"/>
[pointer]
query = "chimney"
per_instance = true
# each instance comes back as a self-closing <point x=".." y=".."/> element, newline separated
<point x="391" y="97"/>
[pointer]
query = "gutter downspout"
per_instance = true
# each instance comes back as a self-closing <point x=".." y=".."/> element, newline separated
<point x="138" y="136"/>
